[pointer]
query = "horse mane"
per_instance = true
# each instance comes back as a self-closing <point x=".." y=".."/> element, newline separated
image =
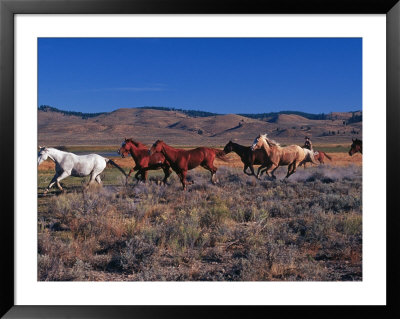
<point x="270" y="142"/>
<point x="136" y="143"/>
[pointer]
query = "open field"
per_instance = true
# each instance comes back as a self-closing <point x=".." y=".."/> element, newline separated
<point x="306" y="228"/>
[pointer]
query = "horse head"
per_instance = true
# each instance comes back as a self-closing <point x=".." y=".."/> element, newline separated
<point x="124" y="149"/>
<point x="228" y="147"/>
<point x="355" y="147"/>
<point x="258" y="141"/>
<point x="43" y="154"/>
<point x="156" y="147"/>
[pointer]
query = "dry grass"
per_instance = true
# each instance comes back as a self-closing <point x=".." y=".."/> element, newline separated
<point x="306" y="228"/>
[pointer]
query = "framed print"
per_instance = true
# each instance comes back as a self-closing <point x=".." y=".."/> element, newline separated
<point x="126" y="214"/>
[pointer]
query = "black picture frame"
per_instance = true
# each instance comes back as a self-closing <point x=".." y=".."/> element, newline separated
<point x="8" y="8"/>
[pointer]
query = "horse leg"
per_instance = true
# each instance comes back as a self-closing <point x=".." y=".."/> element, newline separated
<point x="52" y="182"/>
<point x="271" y="170"/>
<point x="214" y="180"/>
<point x="98" y="179"/>
<point x="92" y="178"/>
<point x="293" y="170"/>
<point x="61" y="177"/>
<point x="145" y="172"/>
<point x="167" y="173"/>
<point x="289" y="170"/>
<point x="137" y="175"/>
<point x="262" y="172"/>
<point x="252" y="171"/>
<point x="130" y="172"/>
<point x="295" y="165"/>
<point x="245" y="169"/>
<point x="213" y="170"/>
<point x="182" y="176"/>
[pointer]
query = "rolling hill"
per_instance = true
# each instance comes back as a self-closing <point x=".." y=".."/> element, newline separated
<point x="179" y="127"/>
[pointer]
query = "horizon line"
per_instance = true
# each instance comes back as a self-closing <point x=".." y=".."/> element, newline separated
<point x="194" y="110"/>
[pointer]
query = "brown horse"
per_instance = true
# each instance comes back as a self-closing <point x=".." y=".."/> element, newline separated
<point x="318" y="156"/>
<point x="248" y="157"/>
<point x="291" y="155"/>
<point x="183" y="160"/>
<point x="355" y="147"/>
<point x="144" y="162"/>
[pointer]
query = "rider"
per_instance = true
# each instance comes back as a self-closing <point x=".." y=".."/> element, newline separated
<point x="307" y="143"/>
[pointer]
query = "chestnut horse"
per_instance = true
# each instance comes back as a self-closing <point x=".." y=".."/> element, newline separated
<point x="248" y="157"/>
<point x="291" y="155"/>
<point x="183" y="160"/>
<point x="318" y="156"/>
<point x="143" y="160"/>
<point x="355" y="147"/>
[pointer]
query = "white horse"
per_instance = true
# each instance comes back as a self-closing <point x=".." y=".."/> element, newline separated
<point x="70" y="164"/>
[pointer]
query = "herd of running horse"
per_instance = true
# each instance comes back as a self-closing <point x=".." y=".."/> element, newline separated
<point x="264" y="152"/>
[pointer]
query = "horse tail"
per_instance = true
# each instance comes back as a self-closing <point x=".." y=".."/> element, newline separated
<point x="109" y="161"/>
<point x="220" y="154"/>
<point x="330" y="158"/>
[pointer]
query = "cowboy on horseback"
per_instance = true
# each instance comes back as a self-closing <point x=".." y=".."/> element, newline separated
<point x="308" y="144"/>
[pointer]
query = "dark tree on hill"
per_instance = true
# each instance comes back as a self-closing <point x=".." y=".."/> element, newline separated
<point x="47" y="108"/>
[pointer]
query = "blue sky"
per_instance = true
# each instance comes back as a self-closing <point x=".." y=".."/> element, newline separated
<point x="222" y="75"/>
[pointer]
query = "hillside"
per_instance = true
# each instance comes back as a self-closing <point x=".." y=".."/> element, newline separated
<point x="56" y="127"/>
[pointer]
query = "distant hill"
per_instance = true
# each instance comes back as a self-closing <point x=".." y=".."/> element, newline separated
<point x="47" y="108"/>
<point x="272" y="116"/>
<point x="192" y="113"/>
<point x="184" y="127"/>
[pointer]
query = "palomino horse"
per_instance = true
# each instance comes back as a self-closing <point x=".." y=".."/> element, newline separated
<point x="316" y="156"/>
<point x="183" y="160"/>
<point x="291" y="155"/>
<point x="355" y="147"/>
<point x="70" y="164"/>
<point x="248" y="157"/>
<point x="143" y="160"/>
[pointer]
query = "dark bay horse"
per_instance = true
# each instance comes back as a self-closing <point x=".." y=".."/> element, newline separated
<point x="248" y="157"/>
<point x="144" y="162"/>
<point x="355" y="147"/>
<point x="183" y="160"/>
